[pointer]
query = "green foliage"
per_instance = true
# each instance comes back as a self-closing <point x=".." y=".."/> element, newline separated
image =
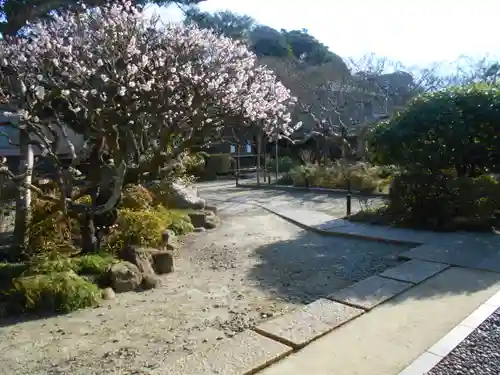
<point x="362" y="177"/>
<point x="57" y="292"/>
<point x="89" y="264"/>
<point x="285" y="164"/>
<point x="179" y="222"/>
<point x="145" y="228"/>
<point x="9" y="271"/>
<point x="136" y="197"/>
<point x="217" y="164"/>
<point x="454" y="128"/>
<point x="50" y="230"/>
<point x="266" y="41"/>
<point x="195" y="163"/>
<point x="444" y="200"/>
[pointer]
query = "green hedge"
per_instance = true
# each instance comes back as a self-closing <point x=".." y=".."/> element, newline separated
<point x="217" y="164"/>
<point x="444" y="201"/>
<point x="285" y="164"/>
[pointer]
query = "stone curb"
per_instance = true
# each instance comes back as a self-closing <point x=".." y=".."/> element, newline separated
<point x="432" y="356"/>
<point x="304" y="325"/>
<point x="339" y="234"/>
<point x="314" y="190"/>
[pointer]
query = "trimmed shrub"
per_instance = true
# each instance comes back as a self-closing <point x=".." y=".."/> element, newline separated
<point x="217" y="164"/>
<point x="58" y="292"/>
<point x="285" y="164"/>
<point x="444" y="201"/>
<point x="363" y="177"/>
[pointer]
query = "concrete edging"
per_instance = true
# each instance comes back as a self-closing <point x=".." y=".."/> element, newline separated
<point x="300" y="327"/>
<point x="432" y="356"/>
<point x="340" y="234"/>
<point x="313" y="190"/>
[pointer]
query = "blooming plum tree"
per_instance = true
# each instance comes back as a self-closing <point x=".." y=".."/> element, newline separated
<point x="146" y="90"/>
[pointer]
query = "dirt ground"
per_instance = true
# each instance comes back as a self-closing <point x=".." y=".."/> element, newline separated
<point x="255" y="266"/>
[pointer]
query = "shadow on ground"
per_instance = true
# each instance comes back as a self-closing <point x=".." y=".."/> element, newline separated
<point x="330" y="202"/>
<point x="312" y="266"/>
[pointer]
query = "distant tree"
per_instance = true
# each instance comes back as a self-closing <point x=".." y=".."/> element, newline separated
<point x="223" y="23"/>
<point x="17" y="13"/>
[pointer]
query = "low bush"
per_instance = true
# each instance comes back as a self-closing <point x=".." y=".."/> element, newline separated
<point x="49" y="229"/>
<point x="285" y="164"/>
<point x="444" y="201"/>
<point x="57" y="292"/>
<point x="136" y="197"/>
<point x="145" y="227"/>
<point x="215" y="165"/>
<point x="195" y="163"/>
<point x="362" y="177"/>
<point x="9" y="271"/>
<point x="88" y="264"/>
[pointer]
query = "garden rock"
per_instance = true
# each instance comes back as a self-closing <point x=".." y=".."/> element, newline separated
<point x="108" y="294"/>
<point x="184" y="197"/>
<point x="204" y="219"/>
<point x="141" y="257"/>
<point x="211" y="208"/>
<point x="163" y="262"/>
<point x="170" y="240"/>
<point x="125" y="277"/>
<point x="149" y="282"/>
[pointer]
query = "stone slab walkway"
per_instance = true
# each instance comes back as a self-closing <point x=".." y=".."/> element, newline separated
<point x="376" y="326"/>
<point x="386" y="339"/>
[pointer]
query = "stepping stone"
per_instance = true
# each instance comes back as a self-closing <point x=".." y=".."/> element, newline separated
<point x="491" y="263"/>
<point x="245" y="353"/>
<point x="415" y="271"/>
<point x="370" y="292"/>
<point x="300" y="327"/>
<point x="463" y="254"/>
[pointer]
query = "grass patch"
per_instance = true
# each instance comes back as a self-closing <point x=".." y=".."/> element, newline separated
<point x="57" y="292"/>
<point x="91" y="264"/>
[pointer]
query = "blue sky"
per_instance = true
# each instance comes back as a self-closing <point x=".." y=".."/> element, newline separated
<point x="410" y="31"/>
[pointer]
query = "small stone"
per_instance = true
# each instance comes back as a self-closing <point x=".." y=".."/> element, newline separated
<point x="125" y="277"/>
<point x="211" y="208"/>
<point x="201" y="229"/>
<point x="163" y="262"/>
<point x="108" y="294"/>
<point x="149" y="282"/>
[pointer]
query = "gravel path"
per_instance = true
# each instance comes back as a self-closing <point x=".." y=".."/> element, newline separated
<point x="253" y="267"/>
<point x="478" y="354"/>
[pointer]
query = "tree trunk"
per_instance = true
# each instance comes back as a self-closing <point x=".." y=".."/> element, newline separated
<point x="23" y="198"/>
<point x="259" y="146"/>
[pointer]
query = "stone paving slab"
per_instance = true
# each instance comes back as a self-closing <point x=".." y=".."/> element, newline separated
<point x="469" y="254"/>
<point x="370" y="292"/>
<point x="389" y="337"/>
<point x="314" y="320"/>
<point x="415" y="271"/>
<point x="245" y="353"/>
<point x="490" y="263"/>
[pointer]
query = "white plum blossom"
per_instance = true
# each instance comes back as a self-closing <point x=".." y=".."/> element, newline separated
<point x="146" y="81"/>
